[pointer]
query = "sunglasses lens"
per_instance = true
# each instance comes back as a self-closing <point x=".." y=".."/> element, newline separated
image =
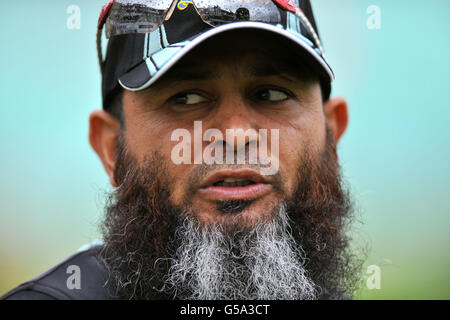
<point x="136" y="16"/>
<point x="221" y="11"/>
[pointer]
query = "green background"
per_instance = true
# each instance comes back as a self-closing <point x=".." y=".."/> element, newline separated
<point x="395" y="154"/>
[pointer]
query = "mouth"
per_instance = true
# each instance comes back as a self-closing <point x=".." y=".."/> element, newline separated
<point x="235" y="185"/>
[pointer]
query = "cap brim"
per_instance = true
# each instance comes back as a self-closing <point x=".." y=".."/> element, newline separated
<point x="149" y="71"/>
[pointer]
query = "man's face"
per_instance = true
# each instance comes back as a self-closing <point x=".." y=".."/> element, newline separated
<point x="230" y="83"/>
<point x="187" y="230"/>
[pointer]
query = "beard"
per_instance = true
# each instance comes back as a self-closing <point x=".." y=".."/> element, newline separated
<point x="156" y="250"/>
<point x="244" y="263"/>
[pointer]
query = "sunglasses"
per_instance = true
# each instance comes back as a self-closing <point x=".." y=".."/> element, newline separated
<point x="144" y="16"/>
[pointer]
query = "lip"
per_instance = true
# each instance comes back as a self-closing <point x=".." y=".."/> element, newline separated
<point x="260" y="187"/>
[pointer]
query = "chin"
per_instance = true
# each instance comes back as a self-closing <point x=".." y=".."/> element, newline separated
<point x="235" y="214"/>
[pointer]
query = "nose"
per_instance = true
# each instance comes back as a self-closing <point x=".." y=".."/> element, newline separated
<point x="235" y="119"/>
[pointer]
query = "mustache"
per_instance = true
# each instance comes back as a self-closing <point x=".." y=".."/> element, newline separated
<point x="202" y="171"/>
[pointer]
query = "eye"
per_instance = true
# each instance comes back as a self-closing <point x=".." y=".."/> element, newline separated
<point x="188" y="98"/>
<point x="272" y="95"/>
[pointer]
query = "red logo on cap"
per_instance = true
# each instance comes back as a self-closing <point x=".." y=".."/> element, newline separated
<point x="287" y="4"/>
<point x="104" y="13"/>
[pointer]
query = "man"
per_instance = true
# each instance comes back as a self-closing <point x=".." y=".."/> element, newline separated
<point x="193" y="91"/>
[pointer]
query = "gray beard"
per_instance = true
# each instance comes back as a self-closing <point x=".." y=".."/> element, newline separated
<point x="259" y="262"/>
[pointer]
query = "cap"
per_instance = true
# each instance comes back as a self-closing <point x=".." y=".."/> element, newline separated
<point x="148" y="37"/>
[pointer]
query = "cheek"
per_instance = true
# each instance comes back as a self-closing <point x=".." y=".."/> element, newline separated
<point x="291" y="147"/>
<point x="145" y="140"/>
<point x="145" y="143"/>
<point x="307" y="132"/>
<point x="147" y="134"/>
<point x="299" y="140"/>
<point x="146" y="131"/>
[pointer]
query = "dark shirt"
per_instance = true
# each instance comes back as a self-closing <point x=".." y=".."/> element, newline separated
<point x="57" y="284"/>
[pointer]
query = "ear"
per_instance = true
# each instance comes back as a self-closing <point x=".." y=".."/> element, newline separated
<point x="103" y="132"/>
<point x="336" y="113"/>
